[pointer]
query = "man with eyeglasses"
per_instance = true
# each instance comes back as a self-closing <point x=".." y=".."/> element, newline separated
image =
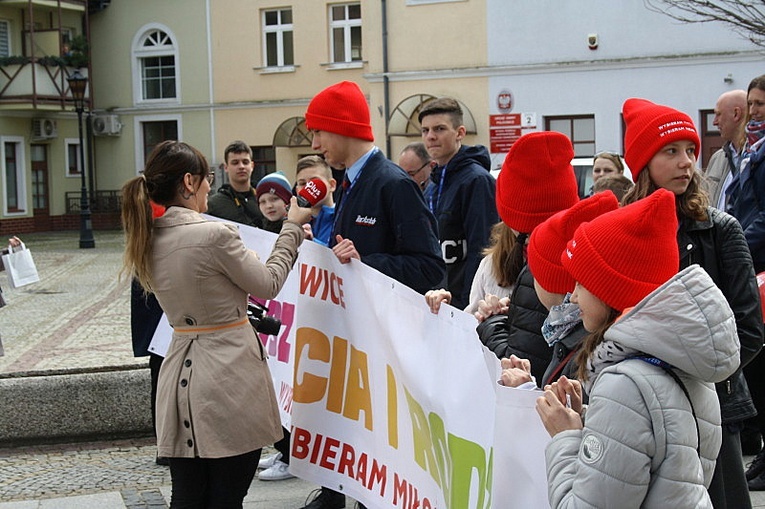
<point x="463" y="195"/>
<point x="416" y="162"/>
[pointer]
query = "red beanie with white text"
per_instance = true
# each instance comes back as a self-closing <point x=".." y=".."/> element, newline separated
<point x="648" y="127"/>
<point x="622" y="256"/>
<point x="549" y="239"/>
<point x="341" y="109"/>
<point x="536" y="180"/>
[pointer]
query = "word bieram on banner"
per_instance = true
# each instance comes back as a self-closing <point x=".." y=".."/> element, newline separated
<point x="317" y="281"/>
<point x="332" y="454"/>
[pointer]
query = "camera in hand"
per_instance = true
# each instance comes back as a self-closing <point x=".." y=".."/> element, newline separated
<point x="261" y="322"/>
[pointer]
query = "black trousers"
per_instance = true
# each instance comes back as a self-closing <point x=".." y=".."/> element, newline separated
<point x="728" y="489"/>
<point x="754" y="372"/>
<point x="283" y="446"/>
<point x="221" y="483"/>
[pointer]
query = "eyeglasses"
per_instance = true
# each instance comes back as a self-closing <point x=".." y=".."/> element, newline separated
<point x="606" y="153"/>
<point x="210" y="177"/>
<point x="418" y="170"/>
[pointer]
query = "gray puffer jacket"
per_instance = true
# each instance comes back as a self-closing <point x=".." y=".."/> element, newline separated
<point x="640" y="444"/>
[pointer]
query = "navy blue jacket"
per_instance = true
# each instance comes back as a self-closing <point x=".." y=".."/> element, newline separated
<point x="465" y="209"/>
<point x="745" y="196"/>
<point x="385" y="216"/>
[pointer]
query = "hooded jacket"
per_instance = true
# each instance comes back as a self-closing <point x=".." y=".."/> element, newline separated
<point x="645" y="443"/>
<point x="462" y="200"/>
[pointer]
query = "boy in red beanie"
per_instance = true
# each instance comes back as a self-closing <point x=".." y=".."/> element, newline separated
<point x="661" y="147"/>
<point x="381" y="217"/>
<point x="652" y="430"/>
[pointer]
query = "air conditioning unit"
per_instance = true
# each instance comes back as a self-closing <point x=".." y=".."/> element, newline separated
<point x="44" y="129"/>
<point x="107" y="125"/>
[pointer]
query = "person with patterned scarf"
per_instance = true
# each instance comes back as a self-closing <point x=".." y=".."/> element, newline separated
<point x="745" y="196"/>
<point x="747" y="190"/>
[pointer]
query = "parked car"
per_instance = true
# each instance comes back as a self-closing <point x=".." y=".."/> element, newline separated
<point x="582" y="170"/>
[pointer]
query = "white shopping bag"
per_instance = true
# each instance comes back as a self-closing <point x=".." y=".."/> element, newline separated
<point x="20" y="266"/>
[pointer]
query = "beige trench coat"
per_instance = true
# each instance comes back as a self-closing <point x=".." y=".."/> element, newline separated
<point x="215" y="396"/>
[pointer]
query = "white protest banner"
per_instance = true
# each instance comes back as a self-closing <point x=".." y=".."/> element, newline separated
<point x="392" y="405"/>
<point x="520" y="478"/>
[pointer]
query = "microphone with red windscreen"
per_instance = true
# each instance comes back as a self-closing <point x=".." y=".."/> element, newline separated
<point x="315" y="190"/>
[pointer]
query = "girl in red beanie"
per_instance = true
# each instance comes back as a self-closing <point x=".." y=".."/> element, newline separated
<point x="659" y="339"/>
<point x="536" y="164"/>
<point x="661" y="147"/>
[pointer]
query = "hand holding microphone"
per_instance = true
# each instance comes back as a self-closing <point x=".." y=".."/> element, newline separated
<point x="315" y="191"/>
<point x="311" y="195"/>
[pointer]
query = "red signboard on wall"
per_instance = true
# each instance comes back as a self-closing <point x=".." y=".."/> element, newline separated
<point x="504" y="130"/>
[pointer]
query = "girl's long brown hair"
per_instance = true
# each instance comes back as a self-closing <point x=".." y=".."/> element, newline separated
<point x="692" y="204"/>
<point x="590" y="342"/>
<point x="502" y="242"/>
<point x="161" y="182"/>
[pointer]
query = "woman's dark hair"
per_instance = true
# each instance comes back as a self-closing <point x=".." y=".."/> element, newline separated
<point x="515" y="259"/>
<point x="162" y="183"/>
<point x="692" y="203"/>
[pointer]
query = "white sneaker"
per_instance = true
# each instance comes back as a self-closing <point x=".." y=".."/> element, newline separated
<point x="278" y="472"/>
<point x="269" y="461"/>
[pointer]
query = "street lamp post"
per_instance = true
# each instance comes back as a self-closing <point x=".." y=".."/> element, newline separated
<point x="77" y="84"/>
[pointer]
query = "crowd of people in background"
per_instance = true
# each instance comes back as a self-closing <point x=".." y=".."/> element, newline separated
<point x="635" y="312"/>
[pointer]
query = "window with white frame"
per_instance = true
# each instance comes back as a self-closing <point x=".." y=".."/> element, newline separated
<point x="579" y="128"/>
<point x="73" y="165"/>
<point x="151" y="130"/>
<point x="277" y="38"/>
<point x="345" y="32"/>
<point x="155" y="57"/>
<point x="14" y="183"/>
<point x="5" y="38"/>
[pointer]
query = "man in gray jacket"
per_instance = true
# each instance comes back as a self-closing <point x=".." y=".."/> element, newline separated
<point x="730" y="117"/>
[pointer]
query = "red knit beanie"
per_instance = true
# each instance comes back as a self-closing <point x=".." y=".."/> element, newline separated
<point x="549" y="239"/>
<point x="536" y="181"/>
<point x="340" y="109"/>
<point x="649" y="127"/>
<point x="622" y="256"/>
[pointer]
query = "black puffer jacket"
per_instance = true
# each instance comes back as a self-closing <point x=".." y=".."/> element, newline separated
<point x="718" y="245"/>
<point x="519" y="332"/>
<point x="564" y="356"/>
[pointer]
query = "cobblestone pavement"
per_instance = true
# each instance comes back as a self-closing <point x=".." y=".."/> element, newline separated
<point x="77" y="316"/>
<point x="110" y="475"/>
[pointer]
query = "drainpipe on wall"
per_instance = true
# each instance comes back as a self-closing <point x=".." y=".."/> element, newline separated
<point x="386" y="86"/>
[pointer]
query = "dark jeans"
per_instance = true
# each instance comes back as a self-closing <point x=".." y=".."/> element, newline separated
<point x="221" y="483"/>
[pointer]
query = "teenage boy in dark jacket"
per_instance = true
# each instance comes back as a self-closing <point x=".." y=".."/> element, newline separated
<point x="463" y="196"/>
<point x="381" y="217"/>
<point x="236" y="201"/>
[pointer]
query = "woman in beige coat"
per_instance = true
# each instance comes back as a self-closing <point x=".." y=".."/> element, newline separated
<point x="216" y="406"/>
